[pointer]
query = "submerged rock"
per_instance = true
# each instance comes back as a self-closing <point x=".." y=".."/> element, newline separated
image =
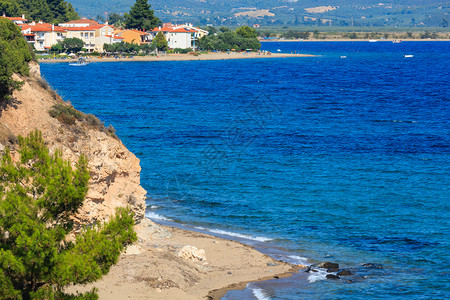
<point x="344" y="273"/>
<point x="332" y="276"/>
<point x="372" y="266"/>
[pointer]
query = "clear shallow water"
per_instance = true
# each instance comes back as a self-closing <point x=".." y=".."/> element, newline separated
<point x="332" y="159"/>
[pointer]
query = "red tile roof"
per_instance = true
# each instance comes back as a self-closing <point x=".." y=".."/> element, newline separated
<point x="42" y="27"/>
<point x="88" y="28"/>
<point x="83" y="21"/>
<point x="16" y="19"/>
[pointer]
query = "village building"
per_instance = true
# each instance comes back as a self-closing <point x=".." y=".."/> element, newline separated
<point x="17" y="20"/>
<point x="133" y="36"/>
<point x="180" y="36"/>
<point x="42" y="35"/>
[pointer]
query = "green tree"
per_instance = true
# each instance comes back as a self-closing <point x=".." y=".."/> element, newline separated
<point x="15" y="55"/>
<point x="72" y="44"/>
<point x="38" y="197"/>
<point x="141" y="16"/>
<point x="9" y="7"/>
<point x="246" y="32"/>
<point x="160" y="42"/>
<point x="57" y="48"/>
<point x="115" y="18"/>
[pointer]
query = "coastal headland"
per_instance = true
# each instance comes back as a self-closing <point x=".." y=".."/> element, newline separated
<point x="165" y="262"/>
<point x="180" y="57"/>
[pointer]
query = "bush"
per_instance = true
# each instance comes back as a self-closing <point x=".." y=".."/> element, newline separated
<point x="39" y="196"/>
<point x="15" y="55"/>
<point x="65" y="114"/>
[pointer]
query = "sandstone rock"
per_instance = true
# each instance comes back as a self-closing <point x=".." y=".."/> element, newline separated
<point x="147" y="230"/>
<point x="192" y="253"/>
<point x="115" y="171"/>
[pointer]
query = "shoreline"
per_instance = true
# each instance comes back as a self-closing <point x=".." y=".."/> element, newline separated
<point x="154" y="268"/>
<point x="182" y="57"/>
<point x="355" y="40"/>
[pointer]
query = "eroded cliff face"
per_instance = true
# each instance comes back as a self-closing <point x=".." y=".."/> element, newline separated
<point x="115" y="171"/>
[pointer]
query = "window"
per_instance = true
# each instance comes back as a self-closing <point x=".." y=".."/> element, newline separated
<point x="92" y="34"/>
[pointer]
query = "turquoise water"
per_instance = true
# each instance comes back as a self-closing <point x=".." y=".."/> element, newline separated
<point x="309" y="159"/>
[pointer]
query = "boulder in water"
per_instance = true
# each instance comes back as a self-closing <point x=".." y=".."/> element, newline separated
<point x="344" y="273"/>
<point x="328" y="265"/>
<point x="332" y="276"/>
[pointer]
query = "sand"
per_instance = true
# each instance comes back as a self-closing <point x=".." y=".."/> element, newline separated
<point x="183" y="57"/>
<point x="153" y="269"/>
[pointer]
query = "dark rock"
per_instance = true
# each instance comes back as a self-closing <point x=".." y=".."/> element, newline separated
<point x="328" y="265"/>
<point x="344" y="273"/>
<point x="349" y="281"/>
<point x="332" y="270"/>
<point x="276" y="277"/>
<point x="229" y="273"/>
<point x="332" y="276"/>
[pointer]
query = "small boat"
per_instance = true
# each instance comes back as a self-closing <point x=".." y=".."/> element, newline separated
<point x="372" y="41"/>
<point x="409" y="55"/>
<point x="81" y="62"/>
<point x="396" y="41"/>
<point x="342" y="56"/>
<point x="278" y="50"/>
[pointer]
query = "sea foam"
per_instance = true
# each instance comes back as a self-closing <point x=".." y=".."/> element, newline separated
<point x="239" y="235"/>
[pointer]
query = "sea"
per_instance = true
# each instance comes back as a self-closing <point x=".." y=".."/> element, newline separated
<point x="341" y="157"/>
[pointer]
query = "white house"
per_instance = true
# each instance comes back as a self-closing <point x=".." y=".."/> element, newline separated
<point x="42" y="35"/>
<point x="180" y="36"/>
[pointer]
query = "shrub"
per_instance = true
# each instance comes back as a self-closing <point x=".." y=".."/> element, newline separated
<point x="15" y="55"/>
<point x="65" y="114"/>
<point x="39" y="196"/>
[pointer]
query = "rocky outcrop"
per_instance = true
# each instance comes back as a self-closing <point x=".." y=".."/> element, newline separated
<point x="115" y="171"/>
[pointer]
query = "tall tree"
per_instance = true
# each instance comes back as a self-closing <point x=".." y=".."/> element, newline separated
<point x="141" y="16"/>
<point x="38" y="197"/>
<point x="9" y="7"/>
<point x="160" y="42"/>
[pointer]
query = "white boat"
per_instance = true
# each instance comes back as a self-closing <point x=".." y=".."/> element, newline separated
<point x="279" y="50"/>
<point x="372" y="41"/>
<point x="342" y="56"/>
<point x="81" y="62"/>
<point x="409" y="55"/>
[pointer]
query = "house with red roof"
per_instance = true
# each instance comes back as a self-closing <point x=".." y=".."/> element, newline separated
<point x="16" y="20"/>
<point x="42" y="35"/>
<point x="93" y="34"/>
<point x="133" y="36"/>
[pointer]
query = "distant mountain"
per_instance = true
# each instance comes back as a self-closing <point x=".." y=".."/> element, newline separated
<point x="284" y="12"/>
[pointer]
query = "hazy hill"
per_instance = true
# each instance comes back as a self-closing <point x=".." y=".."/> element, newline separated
<point x="284" y="12"/>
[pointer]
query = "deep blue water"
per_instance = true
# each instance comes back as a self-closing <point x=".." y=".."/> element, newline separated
<point x="329" y="158"/>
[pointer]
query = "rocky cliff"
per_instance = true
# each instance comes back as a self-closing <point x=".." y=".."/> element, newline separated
<point x="115" y="171"/>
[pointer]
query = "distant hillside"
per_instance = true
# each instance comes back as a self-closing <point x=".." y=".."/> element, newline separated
<point x="285" y="12"/>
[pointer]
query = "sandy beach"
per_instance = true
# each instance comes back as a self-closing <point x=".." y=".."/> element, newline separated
<point x="182" y="57"/>
<point x="171" y="263"/>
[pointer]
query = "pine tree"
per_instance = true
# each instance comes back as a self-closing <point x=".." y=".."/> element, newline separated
<point x="38" y="197"/>
<point x="141" y="16"/>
